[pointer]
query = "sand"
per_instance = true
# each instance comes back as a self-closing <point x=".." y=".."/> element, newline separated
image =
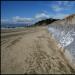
<point x="32" y="51"/>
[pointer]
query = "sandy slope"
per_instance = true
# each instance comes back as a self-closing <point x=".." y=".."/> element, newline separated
<point x="34" y="51"/>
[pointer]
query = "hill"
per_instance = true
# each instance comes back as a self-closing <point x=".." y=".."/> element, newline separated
<point x="45" y="22"/>
<point x="69" y="20"/>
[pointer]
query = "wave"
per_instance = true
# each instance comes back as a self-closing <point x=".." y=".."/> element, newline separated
<point x="66" y="38"/>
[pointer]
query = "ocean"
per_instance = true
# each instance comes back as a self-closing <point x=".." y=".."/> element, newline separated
<point x="66" y="38"/>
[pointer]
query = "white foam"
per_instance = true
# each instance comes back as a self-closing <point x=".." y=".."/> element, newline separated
<point x="66" y="39"/>
<point x="63" y="38"/>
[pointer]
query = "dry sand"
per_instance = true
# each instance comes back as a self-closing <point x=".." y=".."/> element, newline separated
<point x="31" y="51"/>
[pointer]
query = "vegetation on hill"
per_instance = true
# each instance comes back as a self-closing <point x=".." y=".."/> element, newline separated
<point x="45" y="22"/>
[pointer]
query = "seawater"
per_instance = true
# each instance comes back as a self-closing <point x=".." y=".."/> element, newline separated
<point x="66" y="39"/>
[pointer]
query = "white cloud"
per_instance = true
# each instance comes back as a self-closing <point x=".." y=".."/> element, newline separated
<point x="65" y="2"/>
<point x="62" y="5"/>
<point x="62" y="2"/>
<point x="21" y="19"/>
<point x="41" y="16"/>
<point x="57" y="8"/>
<point x="60" y="15"/>
<point x="18" y="19"/>
<point x="37" y="17"/>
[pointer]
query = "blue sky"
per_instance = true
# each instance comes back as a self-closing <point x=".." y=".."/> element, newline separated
<point x="31" y="11"/>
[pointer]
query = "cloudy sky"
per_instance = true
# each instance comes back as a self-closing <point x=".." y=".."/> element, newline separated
<point x="32" y="11"/>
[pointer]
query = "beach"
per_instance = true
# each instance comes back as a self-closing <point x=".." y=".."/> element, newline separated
<point x="32" y="50"/>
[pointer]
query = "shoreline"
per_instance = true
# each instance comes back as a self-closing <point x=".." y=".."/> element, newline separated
<point x="35" y="52"/>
